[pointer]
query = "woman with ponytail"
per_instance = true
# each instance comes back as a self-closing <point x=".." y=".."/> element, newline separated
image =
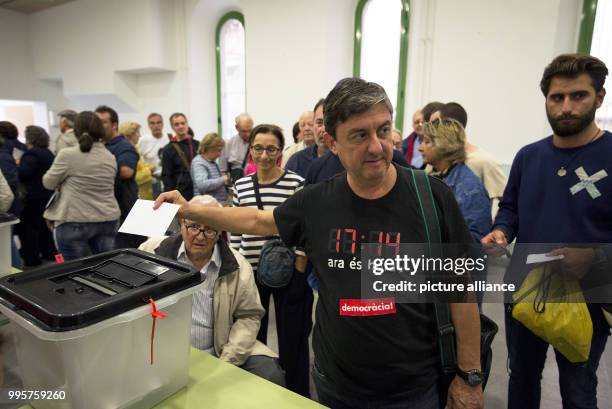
<point x="84" y="213"/>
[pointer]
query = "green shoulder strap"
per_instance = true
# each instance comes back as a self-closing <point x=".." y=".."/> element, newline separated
<point x="446" y="330"/>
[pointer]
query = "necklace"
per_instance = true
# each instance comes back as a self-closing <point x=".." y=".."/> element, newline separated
<point x="562" y="171"/>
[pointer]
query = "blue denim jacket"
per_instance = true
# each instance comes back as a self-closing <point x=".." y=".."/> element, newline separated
<point x="472" y="198"/>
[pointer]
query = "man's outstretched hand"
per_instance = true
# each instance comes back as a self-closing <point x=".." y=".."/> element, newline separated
<point x="169" y="197"/>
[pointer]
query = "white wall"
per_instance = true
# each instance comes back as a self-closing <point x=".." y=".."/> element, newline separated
<point x="159" y="55"/>
<point x="489" y="56"/>
<point x="18" y="80"/>
<point x="296" y="52"/>
<point x="127" y="54"/>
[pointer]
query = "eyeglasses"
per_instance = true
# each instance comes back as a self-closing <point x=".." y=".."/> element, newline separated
<point x="271" y="150"/>
<point x="195" y="229"/>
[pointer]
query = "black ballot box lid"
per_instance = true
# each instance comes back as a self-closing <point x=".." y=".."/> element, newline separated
<point x="79" y="293"/>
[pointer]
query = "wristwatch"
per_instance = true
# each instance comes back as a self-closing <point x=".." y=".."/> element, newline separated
<point x="473" y="377"/>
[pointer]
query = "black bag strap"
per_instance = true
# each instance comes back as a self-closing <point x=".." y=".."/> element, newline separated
<point x="446" y="330"/>
<point x="181" y="155"/>
<point x="246" y="157"/>
<point x="256" y="188"/>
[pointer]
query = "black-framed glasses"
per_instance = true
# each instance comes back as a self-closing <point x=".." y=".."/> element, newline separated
<point x="194" y="228"/>
<point x="271" y="150"/>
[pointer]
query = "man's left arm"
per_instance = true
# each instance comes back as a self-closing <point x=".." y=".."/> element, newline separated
<point x="466" y="320"/>
<point x="465" y="316"/>
<point x="247" y="319"/>
<point x="127" y="163"/>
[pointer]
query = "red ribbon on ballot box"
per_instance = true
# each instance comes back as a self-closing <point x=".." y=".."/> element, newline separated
<point x="155" y="313"/>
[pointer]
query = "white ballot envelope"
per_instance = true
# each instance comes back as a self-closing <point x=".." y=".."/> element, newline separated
<point x="144" y="221"/>
<point x="542" y="258"/>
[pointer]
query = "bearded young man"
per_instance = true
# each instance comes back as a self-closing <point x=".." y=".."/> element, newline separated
<point x="559" y="192"/>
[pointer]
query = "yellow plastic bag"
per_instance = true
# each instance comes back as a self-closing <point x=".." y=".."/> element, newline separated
<point x="553" y="307"/>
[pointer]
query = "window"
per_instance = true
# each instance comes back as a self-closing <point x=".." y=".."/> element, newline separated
<point x="231" y="71"/>
<point x="596" y="39"/>
<point x="381" y="47"/>
<point x="601" y="47"/>
<point x="24" y="113"/>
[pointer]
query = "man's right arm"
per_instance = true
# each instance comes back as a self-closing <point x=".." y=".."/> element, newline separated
<point x="244" y="220"/>
<point x="506" y="222"/>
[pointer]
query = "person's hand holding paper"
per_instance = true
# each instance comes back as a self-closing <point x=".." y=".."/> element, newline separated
<point x="145" y="220"/>
<point x="576" y="262"/>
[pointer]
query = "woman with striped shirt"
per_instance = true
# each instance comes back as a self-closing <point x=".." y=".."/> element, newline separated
<point x="266" y="143"/>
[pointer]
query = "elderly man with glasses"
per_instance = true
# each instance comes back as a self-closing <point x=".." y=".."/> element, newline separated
<point x="226" y="313"/>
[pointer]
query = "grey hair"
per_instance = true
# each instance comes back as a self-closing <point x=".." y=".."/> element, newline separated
<point x="205" y="200"/>
<point x="243" y="116"/>
<point x="351" y="96"/>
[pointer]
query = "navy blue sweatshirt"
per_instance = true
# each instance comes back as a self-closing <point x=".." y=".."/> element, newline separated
<point x="539" y="206"/>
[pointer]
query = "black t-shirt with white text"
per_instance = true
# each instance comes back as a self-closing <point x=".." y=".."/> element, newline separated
<point x="391" y="353"/>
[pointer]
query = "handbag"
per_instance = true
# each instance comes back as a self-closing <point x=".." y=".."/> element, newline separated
<point x="239" y="171"/>
<point x="276" y="260"/>
<point x="553" y="308"/>
<point x="446" y="329"/>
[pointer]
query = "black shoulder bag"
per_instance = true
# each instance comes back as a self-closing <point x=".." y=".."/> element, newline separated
<point x="446" y="330"/>
<point x="276" y="260"/>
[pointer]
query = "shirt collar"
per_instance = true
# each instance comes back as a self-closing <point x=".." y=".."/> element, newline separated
<point x="214" y="262"/>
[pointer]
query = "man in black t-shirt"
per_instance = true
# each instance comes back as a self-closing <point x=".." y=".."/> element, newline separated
<point x="389" y="358"/>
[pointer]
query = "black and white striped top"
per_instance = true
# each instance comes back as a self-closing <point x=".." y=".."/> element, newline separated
<point x="272" y="195"/>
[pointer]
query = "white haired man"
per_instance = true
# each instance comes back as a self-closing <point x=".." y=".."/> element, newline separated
<point x="227" y="312"/>
<point x="234" y="157"/>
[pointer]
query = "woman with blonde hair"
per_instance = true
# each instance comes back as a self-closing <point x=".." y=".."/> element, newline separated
<point x="144" y="171"/>
<point x="205" y="172"/>
<point x="443" y="148"/>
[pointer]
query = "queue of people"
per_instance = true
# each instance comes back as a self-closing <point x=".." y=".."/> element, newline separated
<point x="348" y="170"/>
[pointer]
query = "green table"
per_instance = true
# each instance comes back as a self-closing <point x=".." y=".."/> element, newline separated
<point x="217" y="384"/>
